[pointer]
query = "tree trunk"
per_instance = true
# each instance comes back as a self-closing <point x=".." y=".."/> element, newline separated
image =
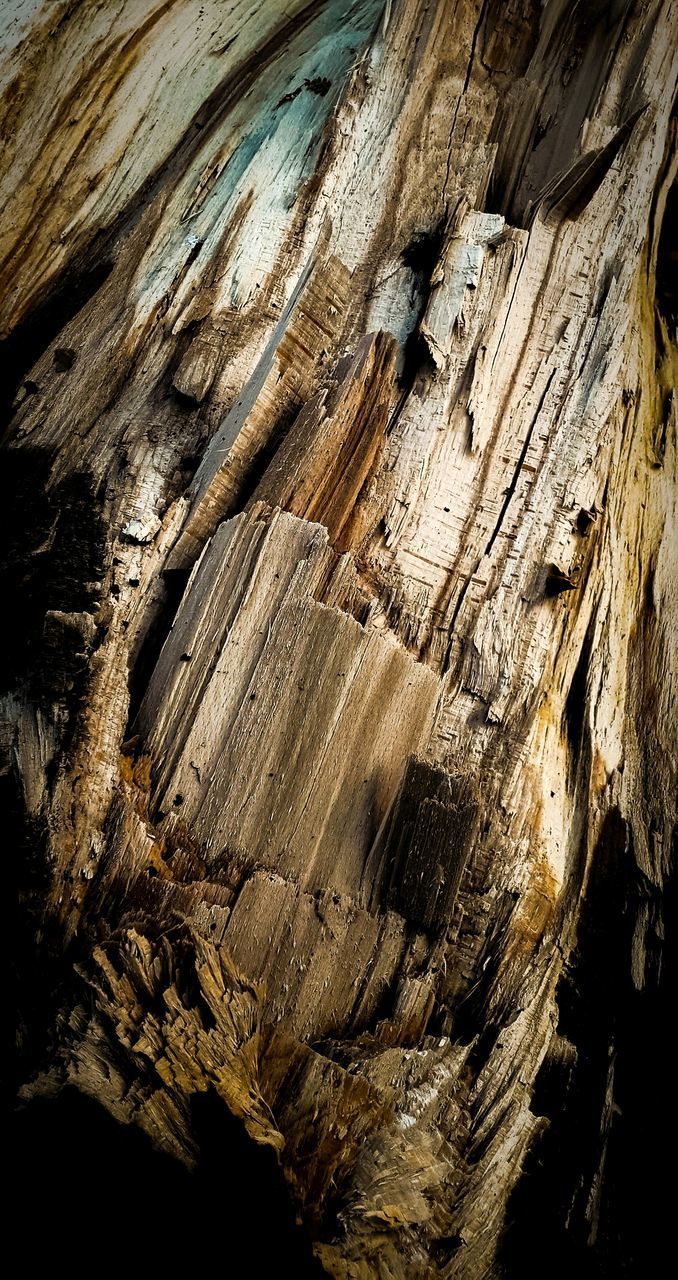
<point x="338" y="733"/>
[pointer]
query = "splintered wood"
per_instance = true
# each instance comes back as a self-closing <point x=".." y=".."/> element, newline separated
<point x="288" y="723"/>
<point x="341" y="485"/>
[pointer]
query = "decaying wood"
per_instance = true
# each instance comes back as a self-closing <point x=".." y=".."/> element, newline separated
<point x="340" y="689"/>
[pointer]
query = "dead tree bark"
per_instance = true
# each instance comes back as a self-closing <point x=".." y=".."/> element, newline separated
<point x="339" y="723"/>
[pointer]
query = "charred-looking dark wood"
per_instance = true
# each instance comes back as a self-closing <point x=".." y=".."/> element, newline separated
<point x="427" y="843"/>
<point x="338" y="700"/>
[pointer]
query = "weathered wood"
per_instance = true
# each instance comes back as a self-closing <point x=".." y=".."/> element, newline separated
<point x="341" y="701"/>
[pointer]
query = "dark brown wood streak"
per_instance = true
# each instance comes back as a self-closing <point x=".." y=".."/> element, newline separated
<point x="338" y="716"/>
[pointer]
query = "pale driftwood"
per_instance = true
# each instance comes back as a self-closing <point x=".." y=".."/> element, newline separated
<point x="342" y="695"/>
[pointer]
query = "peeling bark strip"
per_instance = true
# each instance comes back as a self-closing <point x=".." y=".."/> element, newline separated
<point x="338" y="723"/>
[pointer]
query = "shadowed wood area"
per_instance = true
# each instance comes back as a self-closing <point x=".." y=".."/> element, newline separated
<point x="338" y="726"/>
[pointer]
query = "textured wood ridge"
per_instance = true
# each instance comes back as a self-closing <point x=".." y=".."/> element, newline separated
<point x="341" y="698"/>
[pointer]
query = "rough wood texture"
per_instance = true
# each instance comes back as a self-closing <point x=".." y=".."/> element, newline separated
<point x="340" y="691"/>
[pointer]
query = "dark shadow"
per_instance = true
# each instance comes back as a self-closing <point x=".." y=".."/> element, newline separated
<point x="25" y="345"/>
<point x="52" y="544"/>
<point x="91" y="1194"/>
<point x="667" y="262"/>
<point x="563" y="1219"/>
